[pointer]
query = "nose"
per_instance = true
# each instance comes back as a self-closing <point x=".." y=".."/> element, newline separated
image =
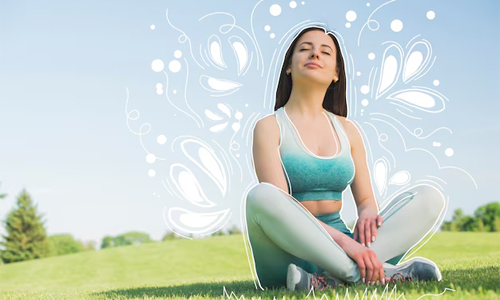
<point x="315" y="53"/>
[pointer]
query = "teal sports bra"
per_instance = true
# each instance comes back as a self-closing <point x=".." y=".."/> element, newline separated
<point x="309" y="176"/>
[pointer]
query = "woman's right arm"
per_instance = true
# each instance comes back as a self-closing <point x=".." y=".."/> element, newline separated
<point x="267" y="163"/>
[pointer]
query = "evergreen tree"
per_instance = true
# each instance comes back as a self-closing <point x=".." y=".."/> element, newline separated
<point x="26" y="236"/>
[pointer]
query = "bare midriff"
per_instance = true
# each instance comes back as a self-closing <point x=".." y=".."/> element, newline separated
<point x="322" y="207"/>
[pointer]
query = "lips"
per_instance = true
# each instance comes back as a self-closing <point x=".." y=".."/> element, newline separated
<point x="313" y="65"/>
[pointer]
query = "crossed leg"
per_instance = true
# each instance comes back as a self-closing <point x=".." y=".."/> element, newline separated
<point x="282" y="232"/>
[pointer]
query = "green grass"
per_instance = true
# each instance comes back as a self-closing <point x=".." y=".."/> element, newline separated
<point x="200" y="269"/>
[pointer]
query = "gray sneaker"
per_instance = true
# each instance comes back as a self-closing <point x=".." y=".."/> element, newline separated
<point x="417" y="268"/>
<point x="299" y="280"/>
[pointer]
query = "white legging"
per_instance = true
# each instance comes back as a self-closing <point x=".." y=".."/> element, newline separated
<point x="281" y="232"/>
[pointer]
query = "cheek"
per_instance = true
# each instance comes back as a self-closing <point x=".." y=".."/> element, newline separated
<point x="331" y="67"/>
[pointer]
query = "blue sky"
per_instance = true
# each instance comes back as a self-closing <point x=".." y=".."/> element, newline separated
<point x="65" y="69"/>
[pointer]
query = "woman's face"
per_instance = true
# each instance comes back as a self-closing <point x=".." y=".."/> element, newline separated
<point x="318" y="48"/>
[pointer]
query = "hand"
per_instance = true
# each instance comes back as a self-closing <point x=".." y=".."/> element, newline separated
<point x="366" y="227"/>
<point x="368" y="263"/>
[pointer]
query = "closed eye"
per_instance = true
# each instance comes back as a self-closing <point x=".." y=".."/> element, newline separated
<point x="308" y="49"/>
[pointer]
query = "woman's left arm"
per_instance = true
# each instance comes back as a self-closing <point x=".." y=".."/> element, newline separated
<point x="368" y="218"/>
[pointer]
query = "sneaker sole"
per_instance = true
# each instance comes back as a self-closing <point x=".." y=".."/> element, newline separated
<point x="437" y="272"/>
<point x="293" y="277"/>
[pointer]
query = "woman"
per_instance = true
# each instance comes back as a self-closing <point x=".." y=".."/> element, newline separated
<point x="305" y="155"/>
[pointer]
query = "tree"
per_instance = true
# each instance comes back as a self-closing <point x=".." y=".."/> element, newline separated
<point x="61" y="244"/>
<point x="487" y="215"/>
<point x="496" y="224"/>
<point x="107" y="242"/>
<point x="129" y="238"/>
<point x="234" y="230"/>
<point x="26" y="235"/>
<point x="486" y="218"/>
<point x="170" y="235"/>
<point x="218" y="233"/>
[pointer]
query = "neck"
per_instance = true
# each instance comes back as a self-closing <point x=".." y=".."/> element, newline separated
<point x="306" y="100"/>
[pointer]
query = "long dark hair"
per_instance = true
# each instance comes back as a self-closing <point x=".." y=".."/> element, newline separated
<point x="335" y="97"/>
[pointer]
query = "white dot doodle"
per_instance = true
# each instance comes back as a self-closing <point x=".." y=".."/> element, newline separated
<point x="362" y="110"/>
<point x="367" y="4"/>
<point x="174" y="66"/>
<point x="272" y="35"/>
<point x="161" y="139"/>
<point x="293" y="4"/>
<point x="435" y="82"/>
<point x="348" y="25"/>
<point x="159" y="91"/>
<point x="364" y="102"/>
<point x="152" y="27"/>
<point x="151" y="173"/>
<point x="150" y="158"/>
<point x="154" y="194"/>
<point x="267" y="28"/>
<point x="431" y="15"/>
<point x="275" y="10"/>
<point x="449" y="152"/>
<point x="238" y="155"/>
<point x="177" y="54"/>
<point x="371" y="56"/>
<point x="396" y="25"/>
<point x="238" y="115"/>
<point x="358" y="73"/>
<point x="174" y="91"/>
<point x="350" y="16"/>
<point x="436" y="144"/>
<point x="303" y="3"/>
<point x="159" y="85"/>
<point x="157" y="65"/>
<point x="246" y="105"/>
<point x="365" y="89"/>
<point x="235" y="126"/>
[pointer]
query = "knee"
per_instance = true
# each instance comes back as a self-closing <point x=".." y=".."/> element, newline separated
<point x="431" y="199"/>
<point x="260" y="195"/>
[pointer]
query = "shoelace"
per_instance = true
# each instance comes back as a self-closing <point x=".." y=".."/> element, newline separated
<point x="398" y="277"/>
<point x="320" y="283"/>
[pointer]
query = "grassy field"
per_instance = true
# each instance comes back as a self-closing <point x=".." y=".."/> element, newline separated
<point x="203" y="268"/>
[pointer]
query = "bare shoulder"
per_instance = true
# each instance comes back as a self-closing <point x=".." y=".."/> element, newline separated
<point x="267" y="128"/>
<point x="352" y="130"/>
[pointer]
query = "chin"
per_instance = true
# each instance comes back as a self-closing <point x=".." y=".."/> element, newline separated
<point x="314" y="80"/>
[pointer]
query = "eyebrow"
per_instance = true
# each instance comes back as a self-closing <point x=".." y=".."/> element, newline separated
<point x="323" y="45"/>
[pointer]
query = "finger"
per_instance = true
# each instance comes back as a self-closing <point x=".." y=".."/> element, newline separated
<point x="362" y="270"/>
<point x="355" y="235"/>
<point x="362" y="233"/>
<point x="380" y="220"/>
<point x="381" y="273"/>
<point x="374" y="231"/>
<point x="368" y="234"/>
<point x="376" y="268"/>
<point x="369" y="271"/>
